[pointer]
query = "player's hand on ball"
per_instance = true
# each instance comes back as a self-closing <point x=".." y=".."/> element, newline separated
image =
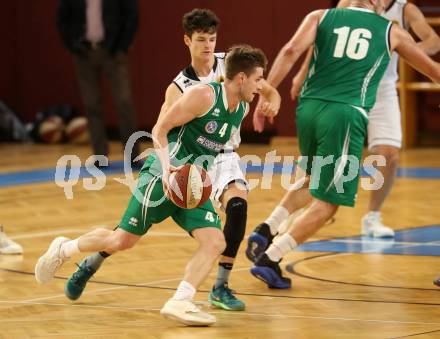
<point x="166" y="178"/>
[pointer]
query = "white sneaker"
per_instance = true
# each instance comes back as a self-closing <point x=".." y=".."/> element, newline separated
<point x="8" y="246"/>
<point x="185" y="312"/>
<point x="51" y="261"/>
<point x="372" y="226"/>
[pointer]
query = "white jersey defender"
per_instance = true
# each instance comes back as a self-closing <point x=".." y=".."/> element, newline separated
<point x="384" y="126"/>
<point x="226" y="167"/>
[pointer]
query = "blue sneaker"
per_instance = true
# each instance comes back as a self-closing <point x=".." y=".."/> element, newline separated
<point x="258" y="241"/>
<point x="77" y="282"/>
<point x="223" y="297"/>
<point x="270" y="272"/>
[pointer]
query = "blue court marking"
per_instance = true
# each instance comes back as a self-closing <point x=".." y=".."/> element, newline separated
<point x="117" y="167"/>
<point x="424" y="241"/>
<point x="48" y="174"/>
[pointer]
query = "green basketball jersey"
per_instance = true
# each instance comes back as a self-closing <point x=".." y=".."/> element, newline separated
<point x="201" y="139"/>
<point x="350" y="56"/>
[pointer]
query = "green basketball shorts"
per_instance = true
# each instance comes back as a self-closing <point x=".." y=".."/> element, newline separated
<point x="331" y="138"/>
<point x="149" y="205"/>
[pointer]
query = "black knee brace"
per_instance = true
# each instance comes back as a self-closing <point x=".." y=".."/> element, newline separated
<point x="235" y="226"/>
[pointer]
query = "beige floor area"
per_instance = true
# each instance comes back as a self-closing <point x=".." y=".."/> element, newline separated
<point x="334" y="295"/>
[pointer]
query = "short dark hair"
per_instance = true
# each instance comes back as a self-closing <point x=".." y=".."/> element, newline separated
<point x="244" y="58"/>
<point x="200" y="20"/>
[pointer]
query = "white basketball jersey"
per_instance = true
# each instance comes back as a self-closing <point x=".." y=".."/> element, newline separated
<point x="394" y="13"/>
<point x="188" y="78"/>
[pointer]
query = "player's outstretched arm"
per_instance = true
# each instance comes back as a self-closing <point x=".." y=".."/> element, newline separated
<point x="294" y="48"/>
<point x="191" y="105"/>
<point x="430" y="41"/>
<point x="298" y="79"/>
<point x="406" y="47"/>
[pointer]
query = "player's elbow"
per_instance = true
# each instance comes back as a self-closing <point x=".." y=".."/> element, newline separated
<point x="157" y="131"/>
<point x="290" y="51"/>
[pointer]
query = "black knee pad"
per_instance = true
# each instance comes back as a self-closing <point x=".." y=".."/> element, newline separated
<point x="235" y="226"/>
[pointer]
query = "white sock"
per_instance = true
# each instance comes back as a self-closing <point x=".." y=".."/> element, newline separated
<point x="280" y="247"/>
<point x="278" y="215"/>
<point x="373" y="214"/>
<point x="70" y="248"/>
<point x="185" y="291"/>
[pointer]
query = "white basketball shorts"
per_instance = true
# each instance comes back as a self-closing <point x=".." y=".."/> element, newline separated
<point x="224" y="170"/>
<point x="384" y="127"/>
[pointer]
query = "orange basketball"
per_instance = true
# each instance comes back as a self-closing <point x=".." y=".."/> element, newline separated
<point x="190" y="186"/>
<point x="77" y="131"/>
<point x="51" y="130"/>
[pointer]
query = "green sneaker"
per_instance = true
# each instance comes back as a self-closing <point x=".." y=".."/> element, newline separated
<point x="222" y="297"/>
<point x="77" y="282"/>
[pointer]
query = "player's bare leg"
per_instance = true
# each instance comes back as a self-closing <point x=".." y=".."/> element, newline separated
<point x="234" y="199"/>
<point x="308" y="223"/>
<point x="372" y="222"/>
<point x="180" y="307"/>
<point x="295" y="199"/>
<point x="61" y="249"/>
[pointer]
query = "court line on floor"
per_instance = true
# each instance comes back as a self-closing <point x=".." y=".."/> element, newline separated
<point x="415" y="334"/>
<point x="384" y="242"/>
<point x="291" y="269"/>
<point x="235" y="314"/>
<point x="146" y="284"/>
<point x="273" y="296"/>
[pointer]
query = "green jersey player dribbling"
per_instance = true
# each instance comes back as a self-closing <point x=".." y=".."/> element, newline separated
<point x="229" y="185"/>
<point x="198" y="124"/>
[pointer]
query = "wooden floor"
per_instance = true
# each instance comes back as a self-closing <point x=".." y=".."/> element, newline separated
<point x="334" y="295"/>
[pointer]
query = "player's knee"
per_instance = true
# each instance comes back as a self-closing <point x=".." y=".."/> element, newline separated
<point x="121" y="243"/>
<point x="392" y="158"/>
<point x="323" y="211"/>
<point x="235" y="226"/>
<point x="329" y="211"/>
<point x="218" y="245"/>
<point x="390" y="153"/>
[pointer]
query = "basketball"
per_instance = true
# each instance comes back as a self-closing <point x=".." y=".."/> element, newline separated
<point x="51" y="130"/>
<point x="190" y="186"/>
<point x="77" y="131"/>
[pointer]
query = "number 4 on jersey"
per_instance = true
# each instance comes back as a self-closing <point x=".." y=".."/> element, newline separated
<point x="223" y="129"/>
<point x="354" y="44"/>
